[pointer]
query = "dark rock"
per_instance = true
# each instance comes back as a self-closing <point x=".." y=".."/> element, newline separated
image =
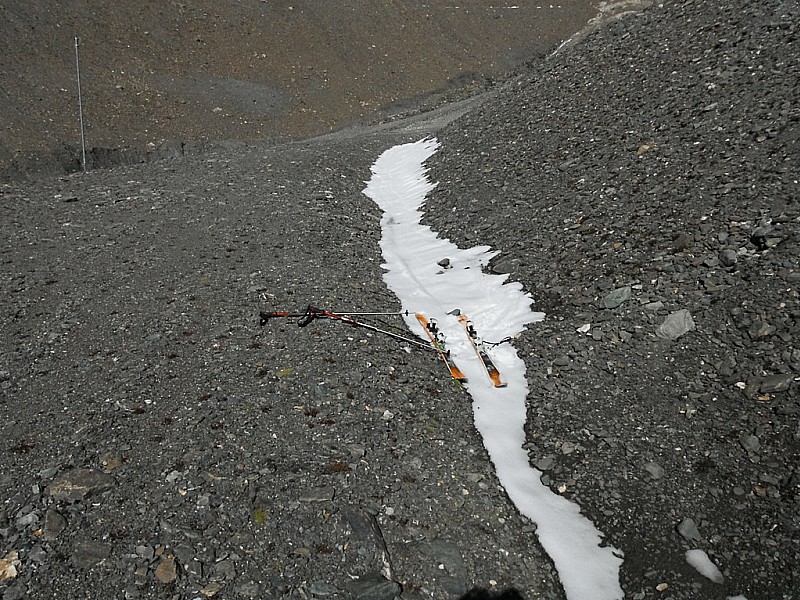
<point x="79" y="484"/>
<point x="728" y="257"/>
<point x="54" y="524"/>
<point x="759" y="238"/>
<point x="776" y="383"/>
<point x="89" y="554"/>
<point x="373" y="587"/>
<point x="17" y="591"/>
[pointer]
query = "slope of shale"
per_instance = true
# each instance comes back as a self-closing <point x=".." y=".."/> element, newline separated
<point x="157" y="441"/>
<point x="158" y="76"/>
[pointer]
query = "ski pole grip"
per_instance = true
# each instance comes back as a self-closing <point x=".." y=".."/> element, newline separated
<point x="309" y="316"/>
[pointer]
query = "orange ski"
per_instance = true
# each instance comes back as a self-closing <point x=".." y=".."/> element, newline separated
<point x="477" y="344"/>
<point x="437" y="339"/>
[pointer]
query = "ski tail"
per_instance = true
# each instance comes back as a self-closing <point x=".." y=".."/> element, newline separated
<point x="438" y="340"/>
<point x="477" y="344"/>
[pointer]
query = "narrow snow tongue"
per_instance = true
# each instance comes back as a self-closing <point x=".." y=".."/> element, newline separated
<point x="498" y="310"/>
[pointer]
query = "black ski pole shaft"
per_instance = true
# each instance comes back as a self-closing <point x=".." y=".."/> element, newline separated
<point x="267" y="315"/>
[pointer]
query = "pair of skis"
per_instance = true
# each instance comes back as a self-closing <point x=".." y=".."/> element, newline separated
<point x="438" y="340"/>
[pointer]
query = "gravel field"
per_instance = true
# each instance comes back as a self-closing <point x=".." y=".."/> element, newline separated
<point x="650" y="175"/>
<point x="641" y="183"/>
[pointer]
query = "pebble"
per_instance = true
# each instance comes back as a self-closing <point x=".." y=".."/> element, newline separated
<point x="675" y="325"/>
<point x="689" y="531"/>
<point x="750" y="443"/>
<point x="617" y="297"/>
<point x="655" y="470"/>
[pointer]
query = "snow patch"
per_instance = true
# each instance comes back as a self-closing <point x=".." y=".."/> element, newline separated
<point x="703" y="564"/>
<point x="588" y="570"/>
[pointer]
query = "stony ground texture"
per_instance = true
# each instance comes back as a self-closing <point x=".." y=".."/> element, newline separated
<point x="158" y="442"/>
<point x="641" y="183"/>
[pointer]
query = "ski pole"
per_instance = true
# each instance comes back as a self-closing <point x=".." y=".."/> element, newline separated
<point x="313" y="312"/>
<point x="265" y="316"/>
<point x="403" y="313"/>
<point x="391" y="334"/>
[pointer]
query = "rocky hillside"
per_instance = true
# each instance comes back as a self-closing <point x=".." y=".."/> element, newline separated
<point x="195" y="71"/>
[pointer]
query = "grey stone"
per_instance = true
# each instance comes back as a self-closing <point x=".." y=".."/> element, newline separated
<point x="568" y="447"/>
<point x="728" y="257"/>
<point x="617" y="297"/>
<point x="18" y="591"/>
<point x="249" y="589"/>
<point x="54" y="524"/>
<point x="449" y="558"/>
<point x="760" y="329"/>
<point x="89" y="554"/>
<point x="321" y="494"/>
<point x="322" y="589"/>
<point x="655" y="470"/>
<point x="561" y="361"/>
<point x="689" y="531"/>
<point x="545" y="463"/>
<point x="373" y="586"/>
<point x="27" y="519"/>
<point x="750" y="443"/>
<point x="675" y="325"/>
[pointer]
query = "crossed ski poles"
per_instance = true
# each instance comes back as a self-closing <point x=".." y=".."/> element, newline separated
<point x="312" y="312"/>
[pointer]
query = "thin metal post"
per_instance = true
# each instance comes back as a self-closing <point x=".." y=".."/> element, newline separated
<point x="80" y="103"/>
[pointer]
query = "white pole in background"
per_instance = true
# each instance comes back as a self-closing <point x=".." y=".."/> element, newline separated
<point x="80" y="104"/>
